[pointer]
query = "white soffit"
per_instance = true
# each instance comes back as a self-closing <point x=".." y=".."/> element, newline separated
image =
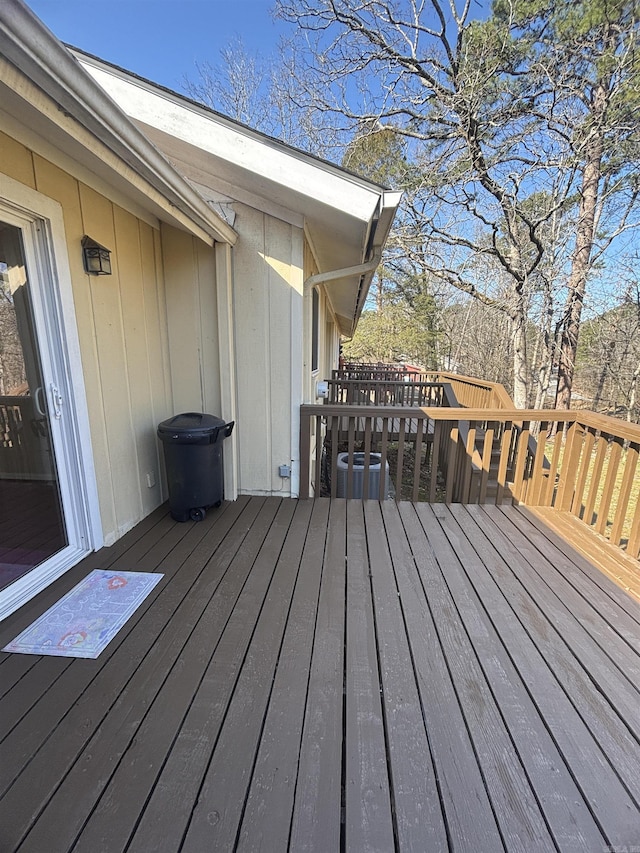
<point x="273" y="170"/>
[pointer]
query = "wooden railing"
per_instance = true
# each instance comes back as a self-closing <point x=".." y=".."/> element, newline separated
<point x="475" y="393"/>
<point x="384" y="392"/>
<point x="469" y="392"/>
<point x="342" y="431"/>
<point x="582" y="463"/>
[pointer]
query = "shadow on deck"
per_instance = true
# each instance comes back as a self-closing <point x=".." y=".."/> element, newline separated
<point x="326" y="675"/>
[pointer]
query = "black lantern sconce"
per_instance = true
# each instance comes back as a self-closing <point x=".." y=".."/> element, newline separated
<point x="97" y="259"/>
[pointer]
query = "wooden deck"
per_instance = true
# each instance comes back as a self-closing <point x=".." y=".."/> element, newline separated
<point x="331" y="676"/>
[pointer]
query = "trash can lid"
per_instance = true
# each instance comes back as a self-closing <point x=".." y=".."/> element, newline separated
<point x="194" y="424"/>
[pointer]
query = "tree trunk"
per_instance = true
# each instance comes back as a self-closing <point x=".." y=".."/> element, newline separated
<point x="633" y="392"/>
<point x="581" y="260"/>
<point x="520" y="364"/>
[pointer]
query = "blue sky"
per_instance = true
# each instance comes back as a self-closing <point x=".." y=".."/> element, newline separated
<point x="161" y="39"/>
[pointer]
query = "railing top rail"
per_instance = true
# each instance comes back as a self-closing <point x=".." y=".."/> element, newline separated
<point x="345" y="410"/>
<point x="398" y="382"/>
<point x="604" y="423"/>
<point x="468" y="380"/>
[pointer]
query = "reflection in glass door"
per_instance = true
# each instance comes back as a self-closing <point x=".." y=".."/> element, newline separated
<point x="32" y="525"/>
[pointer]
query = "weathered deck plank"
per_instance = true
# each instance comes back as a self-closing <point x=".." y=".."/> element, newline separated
<point x="561" y="692"/>
<point x="416" y="796"/>
<point x="518" y="815"/>
<point x="271" y="793"/>
<point x="566" y="813"/>
<point x="330" y="675"/>
<point x="368" y="817"/>
<point x="75" y="762"/>
<point x="316" y="822"/>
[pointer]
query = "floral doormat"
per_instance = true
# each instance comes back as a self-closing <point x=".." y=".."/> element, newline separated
<point x="88" y="617"/>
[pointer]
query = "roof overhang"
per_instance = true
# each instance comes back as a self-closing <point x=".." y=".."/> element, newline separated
<point x="347" y="219"/>
<point x="44" y="89"/>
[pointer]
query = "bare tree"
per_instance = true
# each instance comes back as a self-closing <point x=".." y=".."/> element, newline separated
<point x="263" y="93"/>
<point x="588" y="54"/>
<point x="429" y="73"/>
<point x="509" y="125"/>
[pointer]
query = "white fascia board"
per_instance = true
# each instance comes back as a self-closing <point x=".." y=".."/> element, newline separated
<point x="388" y="210"/>
<point x="208" y="185"/>
<point x="44" y="63"/>
<point x="274" y="162"/>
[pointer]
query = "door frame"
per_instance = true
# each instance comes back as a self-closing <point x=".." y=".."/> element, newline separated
<point x="46" y="255"/>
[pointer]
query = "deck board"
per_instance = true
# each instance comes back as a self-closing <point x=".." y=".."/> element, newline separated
<point x="368" y="816"/>
<point x="329" y="676"/>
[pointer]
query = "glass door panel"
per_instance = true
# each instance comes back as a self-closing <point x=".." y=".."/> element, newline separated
<point x="32" y="526"/>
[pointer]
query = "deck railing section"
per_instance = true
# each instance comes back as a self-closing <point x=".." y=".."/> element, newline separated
<point x="384" y="392"/>
<point x="469" y="392"/>
<point x="582" y="463"/>
<point x="370" y="442"/>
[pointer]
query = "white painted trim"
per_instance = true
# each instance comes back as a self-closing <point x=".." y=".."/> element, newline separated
<point x="227" y="357"/>
<point x="46" y="255"/>
<point x="25" y="588"/>
<point x="269" y="159"/>
<point x="43" y="148"/>
<point x="68" y="133"/>
<point x="236" y="193"/>
<point x="297" y="356"/>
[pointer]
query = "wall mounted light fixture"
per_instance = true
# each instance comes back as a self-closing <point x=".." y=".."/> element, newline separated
<point x="97" y="259"/>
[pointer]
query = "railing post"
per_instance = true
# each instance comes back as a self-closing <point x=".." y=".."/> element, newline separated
<point x="305" y="453"/>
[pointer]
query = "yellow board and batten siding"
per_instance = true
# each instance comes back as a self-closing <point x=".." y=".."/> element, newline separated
<point x="133" y="360"/>
<point x="268" y="333"/>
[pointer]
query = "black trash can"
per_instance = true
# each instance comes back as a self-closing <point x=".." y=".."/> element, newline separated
<point x="192" y="445"/>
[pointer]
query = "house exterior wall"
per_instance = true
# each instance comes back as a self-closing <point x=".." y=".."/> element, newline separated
<point x="328" y="334"/>
<point x="138" y="367"/>
<point x="268" y="313"/>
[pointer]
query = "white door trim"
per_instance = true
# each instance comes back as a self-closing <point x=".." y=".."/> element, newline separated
<point x="47" y="260"/>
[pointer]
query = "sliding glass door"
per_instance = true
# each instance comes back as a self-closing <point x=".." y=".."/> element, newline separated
<point x="49" y="512"/>
<point x="32" y="525"/>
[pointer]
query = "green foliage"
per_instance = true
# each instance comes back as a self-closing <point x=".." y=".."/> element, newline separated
<point x="396" y="333"/>
<point x="377" y="153"/>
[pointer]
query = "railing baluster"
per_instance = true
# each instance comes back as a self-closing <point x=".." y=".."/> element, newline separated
<point x="615" y="450"/>
<point x="305" y="456"/>
<point x="335" y="431"/>
<point x="583" y="472"/>
<point x="384" y="441"/>
<point x="350" y="449"/>
<point x="487" y="452"/>
<point x="400" y="464"/>
<point x="452" y="456"/>
<point x="417" y="461"/>
<point x="467" y="462"/>
<point x="435" y="458"/>
<point x="521" y="461"/>
<point x="628" y="477"/>
<point x="633" y="545"/>
<point x="537" y="483"/>
<point x="572" y="449"/>
<point x="596" y="473"/>
<point x="319" y="442"/>
<point x="505" y="450"/>
<point x="367" y="459"/>
<point x="550" y="491"/>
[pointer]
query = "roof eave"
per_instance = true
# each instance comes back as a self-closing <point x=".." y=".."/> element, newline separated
<point x="29" y="46"/>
